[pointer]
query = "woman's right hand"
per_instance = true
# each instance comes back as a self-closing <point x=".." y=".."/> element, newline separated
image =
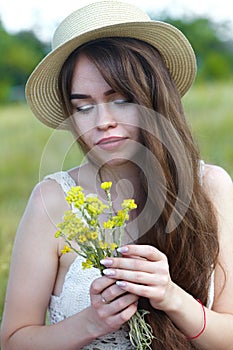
<point x="111" y="307"/>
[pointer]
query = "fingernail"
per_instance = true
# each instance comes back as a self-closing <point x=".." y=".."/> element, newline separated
<point x="121" y="283"/>
<point x="106" y="262"/>
<point x="123" y="249"/>
<point x="109" y="272"/>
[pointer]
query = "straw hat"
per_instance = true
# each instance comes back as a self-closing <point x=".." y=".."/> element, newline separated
<point x="101" y="19"/>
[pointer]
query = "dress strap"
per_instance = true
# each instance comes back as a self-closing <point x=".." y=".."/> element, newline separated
<point x="63" y="179"/>
<point x="201" y="171"/>
<point x="211" y="293"/>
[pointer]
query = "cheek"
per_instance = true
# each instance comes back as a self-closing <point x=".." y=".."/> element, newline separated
<point x="137" y="133"/>
<point x="83" y="128"/>
<point x="132" y="118"/>
<point x="86" y="139"/>
<point x="134" y="127"/>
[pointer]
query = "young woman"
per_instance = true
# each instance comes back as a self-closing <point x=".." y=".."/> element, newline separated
<point x="115" y="79"/>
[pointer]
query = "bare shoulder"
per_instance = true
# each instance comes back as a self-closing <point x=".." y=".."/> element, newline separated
<point x="217" y="182"/>
<point x="218" y="186"/>
<point x="45" y="209"/>
<point x="48" y="198"/>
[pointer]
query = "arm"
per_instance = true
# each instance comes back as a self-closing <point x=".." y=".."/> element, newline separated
<point x="218" y="334"/>
<point x="182" y="308"/>
<point x="34" y="267"/>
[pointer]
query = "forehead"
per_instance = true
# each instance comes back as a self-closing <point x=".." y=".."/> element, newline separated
<point x="86" y="74"/>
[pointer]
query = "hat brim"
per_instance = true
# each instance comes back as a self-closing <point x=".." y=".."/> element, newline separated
<point x="42" y="86"/>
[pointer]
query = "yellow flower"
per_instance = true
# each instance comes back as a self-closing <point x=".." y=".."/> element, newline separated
<point x="94" y="207"/>
<point x="108" y="224"/>
<point x="129" y="204"/>
<point x="121" y="217"/>
<point x="87" y="264"/>
<point x="92" y="210"/>
<point x="88" y="235"/>
<point x="71" y="226"/>
<point x="106" y="185"/>
<point x="58" y="233"/>
<point x="113" y="246"/>
<point x="86" y="229"/>
<point x="82" y="239"/>
<point x="93" y="222"/>
<point x="76" y="196"/>
<point x="66" y="249"/>
<point x="94" y="235"/>
<point x="103" y="245"/>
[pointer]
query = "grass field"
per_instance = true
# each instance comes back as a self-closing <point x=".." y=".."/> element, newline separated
<point x="30" y="150"/>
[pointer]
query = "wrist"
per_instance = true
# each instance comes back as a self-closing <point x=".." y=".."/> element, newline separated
<point x="93" y="327"/>
<point x="188" y="314"/>
<point x="174" y="299"/>
<point x="204" y="323"/>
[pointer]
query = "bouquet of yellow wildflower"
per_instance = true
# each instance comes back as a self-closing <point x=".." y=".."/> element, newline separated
<point x="96" y="241"/>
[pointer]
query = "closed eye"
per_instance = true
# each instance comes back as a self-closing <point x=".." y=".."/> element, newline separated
<point x="85" y="108"/>
<point x="121" y="101"/>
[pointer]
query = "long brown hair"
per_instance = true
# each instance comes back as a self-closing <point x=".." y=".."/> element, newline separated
<point x="186" y="228"/>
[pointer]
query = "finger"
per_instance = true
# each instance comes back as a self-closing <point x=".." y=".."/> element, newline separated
<point x="121" y="303"/>
<point x="150" y="292"/>
<point x="123" y="316"/>
<point x="99" y="285"/>
<point x="109" y="309"/>
<point x="111" y="293"/>
<point x="144" y="251"/>
<point x="138" y="277"/>
<point x="135" y="264"/>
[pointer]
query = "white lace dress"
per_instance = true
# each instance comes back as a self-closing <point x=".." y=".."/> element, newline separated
<point x="75" y="296"/>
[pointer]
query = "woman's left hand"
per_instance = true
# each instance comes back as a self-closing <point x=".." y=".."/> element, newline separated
<point x="142" y="270"/>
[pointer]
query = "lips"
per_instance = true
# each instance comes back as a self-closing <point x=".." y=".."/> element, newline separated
<point x="111" y="143"/>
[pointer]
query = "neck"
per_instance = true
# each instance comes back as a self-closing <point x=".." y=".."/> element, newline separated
<point x="125" y="178"/>
<point x="126" y="184"/>
<point x="127" y="171"/>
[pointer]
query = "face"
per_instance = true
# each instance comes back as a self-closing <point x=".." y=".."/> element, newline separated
<point x="104" y="120"/>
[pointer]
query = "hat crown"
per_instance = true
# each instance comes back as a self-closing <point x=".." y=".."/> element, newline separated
<point x="95" y="16"/>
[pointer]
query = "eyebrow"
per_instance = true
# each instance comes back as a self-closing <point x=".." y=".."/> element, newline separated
<point x="83" y="96"/>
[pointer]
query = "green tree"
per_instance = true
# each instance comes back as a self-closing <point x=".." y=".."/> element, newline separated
<point x="214" y="54"/>
<point x="19" y="55"/>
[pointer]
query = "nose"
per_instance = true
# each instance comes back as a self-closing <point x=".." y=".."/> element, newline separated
<point x="106" y="118"/>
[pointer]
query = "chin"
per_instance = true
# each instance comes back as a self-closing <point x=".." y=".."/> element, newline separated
<point x="116" y="162"/>
<point x="108" y="161"/>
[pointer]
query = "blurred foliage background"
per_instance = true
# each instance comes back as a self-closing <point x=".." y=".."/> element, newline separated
<point x="29" y="150"/>
<point x="211" y="41"/>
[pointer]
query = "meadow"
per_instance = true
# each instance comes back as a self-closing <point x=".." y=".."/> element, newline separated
<point x="30" y="150"/>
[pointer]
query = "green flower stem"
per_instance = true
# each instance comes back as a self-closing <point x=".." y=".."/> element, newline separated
<point x="121" y="229"/>
<point x="71" y="246"/>
<point x="140" y="333"/>
<point x="111" y="211"/>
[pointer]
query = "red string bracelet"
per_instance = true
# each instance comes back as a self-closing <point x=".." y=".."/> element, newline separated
<point x="204" y="323"/>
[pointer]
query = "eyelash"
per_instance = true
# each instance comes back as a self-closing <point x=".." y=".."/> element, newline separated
<point x="87" y="108"/>
<point x="120" y="101"/>
<point x="84" y="109"/>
